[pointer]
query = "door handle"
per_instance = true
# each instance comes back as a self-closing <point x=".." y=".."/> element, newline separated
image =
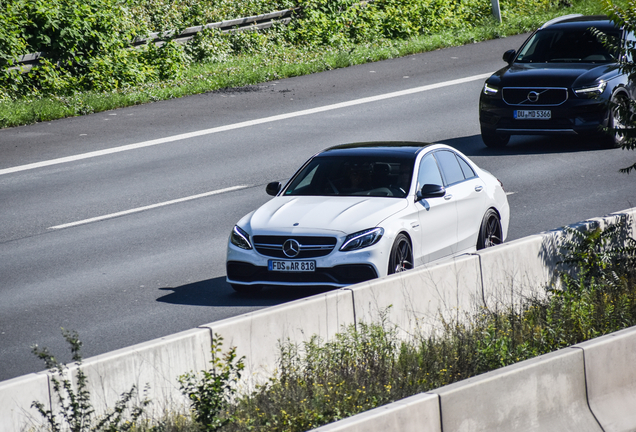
<point x="447" y="197"/>
<point x="478" y="188"/>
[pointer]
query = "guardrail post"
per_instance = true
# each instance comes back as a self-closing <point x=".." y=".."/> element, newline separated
<point x="496" y="12"/>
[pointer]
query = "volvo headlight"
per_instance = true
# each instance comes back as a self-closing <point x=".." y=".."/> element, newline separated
<point x="362" y="239"/>
<point x="592" y="91"/>
<point x="490" y="89"/>
<point x="240" y="238"/>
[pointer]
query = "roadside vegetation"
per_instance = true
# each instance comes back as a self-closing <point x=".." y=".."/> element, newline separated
<point x="368" y="365"/>
<point x="88" y="66"/>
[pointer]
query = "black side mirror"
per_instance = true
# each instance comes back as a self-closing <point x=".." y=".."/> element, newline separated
<point x="509" y="56"/>
<point x="273" y="188"/>
<point x="430" y="191"/>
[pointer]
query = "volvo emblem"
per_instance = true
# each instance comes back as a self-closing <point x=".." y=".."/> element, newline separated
<point x="533" y="96"/>
<point x="291" y="248"/>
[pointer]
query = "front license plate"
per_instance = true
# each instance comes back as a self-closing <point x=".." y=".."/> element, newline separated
<point x="533" y="114"/>
<point x="292" y="266"/>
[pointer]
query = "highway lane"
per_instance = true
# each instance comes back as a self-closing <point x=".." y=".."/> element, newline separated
<point x="142" y="275"/>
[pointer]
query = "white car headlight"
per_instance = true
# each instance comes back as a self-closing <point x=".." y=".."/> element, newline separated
<point x="592" y="91"/>
<point x="362" y="239"/>
<point x="240" y="238"/>
<point x="490" y="89"/>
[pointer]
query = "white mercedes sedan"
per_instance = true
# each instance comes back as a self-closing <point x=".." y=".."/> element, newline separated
<point x="359" y="211"/>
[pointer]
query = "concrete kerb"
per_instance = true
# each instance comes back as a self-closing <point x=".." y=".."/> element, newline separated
<point x="417" y="413"/>
<point x="153" y="367"/>
<point x="258" y="335"/>
<point x="611" y="379"/>
<point x="546" y="393"/>
<point x="16" y="397"/>
<point x="417" y="301"/>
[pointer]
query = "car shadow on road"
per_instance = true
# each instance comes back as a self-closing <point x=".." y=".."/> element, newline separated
<point x="523" y="145"/>
<point x="217" y="292"/>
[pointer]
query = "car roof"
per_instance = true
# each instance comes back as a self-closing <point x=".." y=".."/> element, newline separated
<point x="600" y="22"/>
<point x="397" y="148"/>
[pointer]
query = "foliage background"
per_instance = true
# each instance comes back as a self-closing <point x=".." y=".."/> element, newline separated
<point x="86" y="44"/>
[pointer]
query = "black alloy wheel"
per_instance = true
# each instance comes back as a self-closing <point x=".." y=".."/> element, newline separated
<point x="615" y="122"/>
<point x="490" y="233"/>
<point x="493" y="140"/>
<point x="401" y="258"/>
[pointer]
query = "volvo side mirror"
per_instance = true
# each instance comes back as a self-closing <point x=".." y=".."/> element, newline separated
<point x="273" y="188"/>
<point x="509" y="56"/>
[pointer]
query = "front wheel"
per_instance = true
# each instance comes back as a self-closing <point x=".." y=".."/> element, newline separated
<point x="614" y="137"/>
<point x="491" y="139"/>
<point x="401" y="258"/>
<point x="490" y="232"/>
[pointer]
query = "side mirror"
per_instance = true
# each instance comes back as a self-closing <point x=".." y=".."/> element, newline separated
<point x="273" y="188"/>
<point x="430" y="191"/>
<point x="509" y="56"/>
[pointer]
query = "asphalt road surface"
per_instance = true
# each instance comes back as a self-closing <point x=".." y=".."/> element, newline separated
<point x="115" y="224"/>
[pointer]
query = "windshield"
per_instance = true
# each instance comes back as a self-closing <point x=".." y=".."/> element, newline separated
<point x="379" y="176"/>
<point x="565" y="46"/>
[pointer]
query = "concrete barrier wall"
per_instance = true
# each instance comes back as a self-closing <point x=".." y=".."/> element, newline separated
<point x="610" y="371"/>
<point x="413" y="301"/>
<point x="153" y="367"/>
<point x="16" y="397"/>
<point x="418" y="413"/>
<point x="257" y="334"/>
<point x="546" y="393"/>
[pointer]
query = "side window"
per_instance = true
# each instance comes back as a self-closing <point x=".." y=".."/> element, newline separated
<point x="429" y="172"/>
<point x="468" y="171"/>
<point x="450" y="167"/>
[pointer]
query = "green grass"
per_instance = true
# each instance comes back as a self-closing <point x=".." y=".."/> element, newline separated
<point x="280" y="62"/>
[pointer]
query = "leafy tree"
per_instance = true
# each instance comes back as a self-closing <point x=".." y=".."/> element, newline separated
<point x="625" y="110"/>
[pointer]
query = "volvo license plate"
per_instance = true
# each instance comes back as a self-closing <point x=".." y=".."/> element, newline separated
<point x="533" y="114"/>
<point x="291" y="266"/>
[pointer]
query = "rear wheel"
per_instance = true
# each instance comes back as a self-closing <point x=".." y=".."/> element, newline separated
<point x="246" y="289"/>
<point x="490" y="233"/>
<point x="401" y="258"/>
<point x="491" y="139"/>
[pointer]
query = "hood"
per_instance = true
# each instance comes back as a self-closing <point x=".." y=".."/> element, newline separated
<point x="553" y="74"/>
<point x="317" y="213"/>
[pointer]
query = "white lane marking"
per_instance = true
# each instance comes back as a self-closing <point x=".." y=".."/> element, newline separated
<point x="241" y="125"/>
<point x="510" y="193"/>
<point x="153" y="206"/>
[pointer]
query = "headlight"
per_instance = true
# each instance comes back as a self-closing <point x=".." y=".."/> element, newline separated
<point x="490" y="89"/>
<point x="362" y="239"/>
<point x="240" y="238"/>
<point x="592" y="91"/>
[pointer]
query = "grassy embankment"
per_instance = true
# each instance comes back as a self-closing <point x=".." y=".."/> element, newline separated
<point x="216" y="61"/>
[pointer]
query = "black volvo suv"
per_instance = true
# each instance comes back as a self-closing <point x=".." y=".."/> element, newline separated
<point x="558" y="83"/>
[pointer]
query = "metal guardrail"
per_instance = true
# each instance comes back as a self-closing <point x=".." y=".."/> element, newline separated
<point x="252" y="23"/>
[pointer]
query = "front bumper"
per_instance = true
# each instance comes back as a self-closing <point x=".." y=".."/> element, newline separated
<point x="338" y="269"/>
<point x="575" y="117"/>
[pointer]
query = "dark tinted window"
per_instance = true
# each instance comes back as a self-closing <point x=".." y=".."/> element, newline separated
<point x="450" y="167"/>
<point x="382" y="176"/>
<point x="565" y="46"/>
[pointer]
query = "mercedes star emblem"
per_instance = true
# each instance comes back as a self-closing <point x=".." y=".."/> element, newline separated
<point x="291" y="248"/>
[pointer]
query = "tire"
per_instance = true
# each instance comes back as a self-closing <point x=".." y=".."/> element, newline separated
<point x="611" y="140"/>
<point x="401" y="258"/>
<point x="490" y="232"/>
<point x="246" y="289"/>
<point x="492" y="140"/>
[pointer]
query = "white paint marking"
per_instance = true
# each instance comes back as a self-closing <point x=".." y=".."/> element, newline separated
<point x="242" y="124"/>
<point x="153" y="206"/>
